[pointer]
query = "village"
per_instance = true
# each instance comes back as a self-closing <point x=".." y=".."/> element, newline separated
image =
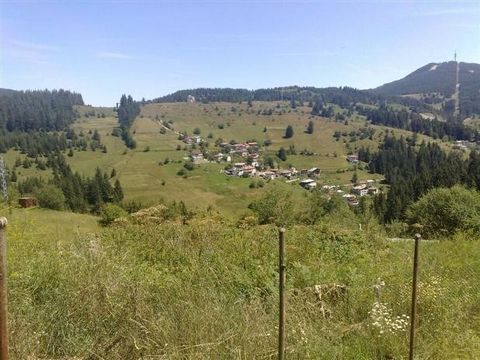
<point x="249" y="164"/>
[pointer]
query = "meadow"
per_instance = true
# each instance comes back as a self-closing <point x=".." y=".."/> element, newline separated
<point x="208" y="289"/>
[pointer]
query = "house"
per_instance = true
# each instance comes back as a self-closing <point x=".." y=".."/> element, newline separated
<point x="285" y="173"/>
<point x="249" y="170"/>
<point x="196" y="139"/>
<point x="313" y="172"/>
<point x="196" y="156"/>
<point x="308" y="184"/>
<point x="351" y="199"/>
<point x="360" y="190"/>
<point x="353" y="159"/>
<point x="189" y="140"/>
<point x="373" y="191"/>
<point x="267" y="175"/>
<point x="218" y="157"/>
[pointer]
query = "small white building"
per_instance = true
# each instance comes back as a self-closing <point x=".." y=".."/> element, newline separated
<point x="360" y="190"/>
<point x="308" y="184"/>
<point x="352" y="159"/>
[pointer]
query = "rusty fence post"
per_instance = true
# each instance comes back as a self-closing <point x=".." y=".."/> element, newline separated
<point x="3" y="290"/>
<point x="281" y="293"/>
<point x="413" y="312"/>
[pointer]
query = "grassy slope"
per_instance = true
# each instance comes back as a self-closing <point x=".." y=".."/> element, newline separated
<point x="208" y="291"/>
<point x="145" y="180"/>
<point x="50" y="225"/>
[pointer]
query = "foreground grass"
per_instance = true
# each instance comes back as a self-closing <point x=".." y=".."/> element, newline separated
<point x="208" y="290"/>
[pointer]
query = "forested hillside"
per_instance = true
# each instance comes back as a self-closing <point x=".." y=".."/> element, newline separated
<point x="32" y="120"/>
<point x="342" y="96"/>
<point x="469" y="78"/>
<point x="45" y="110"/>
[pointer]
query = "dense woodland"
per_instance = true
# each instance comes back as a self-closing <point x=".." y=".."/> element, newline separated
<point x="32" y="121"/>
<point x="411" y="171"/>
<point x="27" y="111"/>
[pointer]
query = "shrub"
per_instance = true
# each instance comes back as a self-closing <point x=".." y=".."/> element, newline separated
<point x="445" y="211"/>
<point x="50" y="197"/>
<point x="110" y="212"/>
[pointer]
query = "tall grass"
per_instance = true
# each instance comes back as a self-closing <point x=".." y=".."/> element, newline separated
<point x="208" y="290"/>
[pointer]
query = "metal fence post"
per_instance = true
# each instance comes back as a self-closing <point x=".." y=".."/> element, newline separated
<point x="3" y="291"/>
<point x="281" y="293"/>
<point x="413" y="312"/>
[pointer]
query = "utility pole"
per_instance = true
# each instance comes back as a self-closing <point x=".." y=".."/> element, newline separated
<point x="281" y="293"/>
<point x="413" y="312"/>
<point x="3" y="291"/>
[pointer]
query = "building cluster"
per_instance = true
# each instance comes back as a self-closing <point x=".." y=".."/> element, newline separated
<point x="363" y="188"/>
<point x="190" y="140"/>
<point x="245" y="150"/>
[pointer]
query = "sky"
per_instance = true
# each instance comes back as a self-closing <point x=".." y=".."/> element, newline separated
<point x="104" y="49"/>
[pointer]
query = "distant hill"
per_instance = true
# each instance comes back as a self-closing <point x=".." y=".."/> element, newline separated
<point x="7" y="92"/>
<point x="437" y="83"/>
<point x="431" y="78"/>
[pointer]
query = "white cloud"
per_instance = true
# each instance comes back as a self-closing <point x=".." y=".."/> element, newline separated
<point x="34" y="53"/>
<point x="112" y="55"/>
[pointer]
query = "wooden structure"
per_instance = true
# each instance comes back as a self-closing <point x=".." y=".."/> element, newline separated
<point x="27" y="202"/>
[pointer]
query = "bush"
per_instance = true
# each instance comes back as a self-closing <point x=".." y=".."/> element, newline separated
<point x="189" y="165"/>
<point x="110" y="212"/>
<point x="50" y="197"/>
<point x="275" y="207"/>
<point x="442" y="212"/>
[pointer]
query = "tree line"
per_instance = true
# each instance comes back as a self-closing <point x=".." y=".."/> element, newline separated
<point x="413" y="121"/>
<point x="341" y="96"/>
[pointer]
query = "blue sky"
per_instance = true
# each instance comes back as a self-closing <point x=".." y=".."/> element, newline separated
<point x="150" y="48"/>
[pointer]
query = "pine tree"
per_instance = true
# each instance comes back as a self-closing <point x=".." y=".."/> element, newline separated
<point x="282" y="154"/>
<point x="310" y="127"/>
<point x="288" y="132"/>
<point x="117" y="192"/>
